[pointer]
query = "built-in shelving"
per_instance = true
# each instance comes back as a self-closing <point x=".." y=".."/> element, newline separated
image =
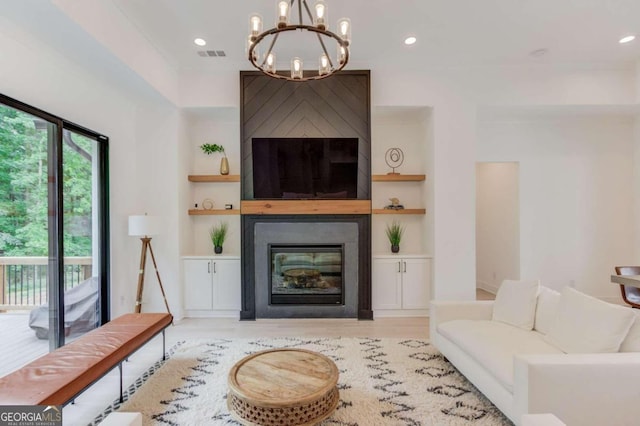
<point x="401" y="211"/>
<point x="212" y="212"/>
<point x="398" y="178"/>
<point x="214" y="178"/>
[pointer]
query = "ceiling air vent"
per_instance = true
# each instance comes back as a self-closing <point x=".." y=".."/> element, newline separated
<point x="211" y="53"/>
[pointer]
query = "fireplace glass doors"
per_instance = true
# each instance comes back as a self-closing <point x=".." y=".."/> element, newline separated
<point x="303" y="275"/>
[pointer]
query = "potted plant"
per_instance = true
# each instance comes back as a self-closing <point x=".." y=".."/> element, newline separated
<point x="210" y="148"/>
<point x="394" y="233"/>
<point x="218" y="234"/>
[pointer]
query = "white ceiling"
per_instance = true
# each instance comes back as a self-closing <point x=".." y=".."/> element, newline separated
<point x="450" y="32"/>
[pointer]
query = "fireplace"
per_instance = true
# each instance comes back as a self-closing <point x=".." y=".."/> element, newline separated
<point x="306" y="274"/>
<point x="306" y="266"/>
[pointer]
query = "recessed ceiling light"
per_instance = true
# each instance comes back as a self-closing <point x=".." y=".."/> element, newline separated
<point x="410" y="40"/>
<point x="200" y="42"/>
<point x="627" y="39"/>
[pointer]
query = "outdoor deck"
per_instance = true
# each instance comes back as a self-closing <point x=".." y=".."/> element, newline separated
<point x="20" y="344"/>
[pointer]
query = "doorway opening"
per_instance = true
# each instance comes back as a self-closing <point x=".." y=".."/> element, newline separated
<point x="497" y="225"/>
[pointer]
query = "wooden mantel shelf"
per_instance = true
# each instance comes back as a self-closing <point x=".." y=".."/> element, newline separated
<point x="214" y="178"/>
<point x="397" y="178"/>
<point x="305" y="207"/>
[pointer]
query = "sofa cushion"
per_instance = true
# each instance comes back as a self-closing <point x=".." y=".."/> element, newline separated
<point x="515" y="303"/>
<point x="631" y="342"/>
<point x="546" y="309"/>
<point x="493" y="345"/>
<point x="585" y="324"/>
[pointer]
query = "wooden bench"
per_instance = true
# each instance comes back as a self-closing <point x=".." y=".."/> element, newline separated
<point x="59" y="376"/>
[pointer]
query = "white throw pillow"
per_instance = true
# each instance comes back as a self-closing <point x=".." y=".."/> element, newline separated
<point x="631" y="343"/>
<point x="585" y="324"/>
<point x="546" y="309"/>
<point x="515" y="303"/>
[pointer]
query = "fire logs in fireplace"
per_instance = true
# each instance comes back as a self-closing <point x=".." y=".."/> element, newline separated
<point x="309" y="274"/>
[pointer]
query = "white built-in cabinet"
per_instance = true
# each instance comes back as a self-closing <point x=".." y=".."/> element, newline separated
<point x="212" y="286"/>
<point x="401" y="285"/>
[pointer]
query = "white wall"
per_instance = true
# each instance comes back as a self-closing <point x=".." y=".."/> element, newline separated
<point x="497" y="224"/>
<point x="66" y="85"/>
<point x="142" y="132"/>
<point x="576" y="195"/>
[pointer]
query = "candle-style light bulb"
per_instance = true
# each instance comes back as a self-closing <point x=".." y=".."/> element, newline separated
<point x="248" y="47"/>
<point x="283" y="14"/>
<point x="255" y="25"/>
<point x="320" y="19"/>
<point x="323" y="67"/>
<point x="344" y="29"/>
<point x="270" y="63"/>
<point x="342" y="54"/>
<point x="296" y="68"/>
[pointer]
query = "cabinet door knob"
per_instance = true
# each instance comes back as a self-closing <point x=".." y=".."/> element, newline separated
<point x="399" y="267"/>
<point x="208" y="267"/>
<point x="214" y="267"/>
<point x="405" y="266"/>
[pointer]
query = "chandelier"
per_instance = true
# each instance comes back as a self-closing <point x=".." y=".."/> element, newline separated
<point x="317" y="25"/>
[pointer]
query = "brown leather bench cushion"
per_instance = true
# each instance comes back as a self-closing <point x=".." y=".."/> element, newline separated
<point x="57" y="377"/>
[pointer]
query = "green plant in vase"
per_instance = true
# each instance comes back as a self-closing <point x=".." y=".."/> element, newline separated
<point x="394" y="234"/>
<point x="218" y="233"/>
<point x="210" y="148"/>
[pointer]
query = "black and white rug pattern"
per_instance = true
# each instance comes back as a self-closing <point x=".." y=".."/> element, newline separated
<point x="382" y="382"/>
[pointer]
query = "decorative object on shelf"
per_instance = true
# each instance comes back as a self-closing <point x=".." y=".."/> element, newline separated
<point x="143" y="226"/>
<point x="395" y="204"/>
<point x="394" y="234"/>
<point x="228" y="206"/>
<point x="394" y="157"/>
<point x="218" y="234"/>
<point x="207" y="204"/>
<point x="318" y="24"/>
<point x="210" y="148"/>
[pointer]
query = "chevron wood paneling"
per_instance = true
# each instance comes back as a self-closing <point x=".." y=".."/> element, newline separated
<point x="334" y="107"/>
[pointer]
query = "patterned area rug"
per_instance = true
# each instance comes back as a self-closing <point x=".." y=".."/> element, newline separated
<point x="382" y="382"/>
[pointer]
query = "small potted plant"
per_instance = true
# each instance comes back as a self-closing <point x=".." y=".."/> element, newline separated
<point x="210" y="148"/>
<point x="218" y="234"/>
<point x="394" y="233"/>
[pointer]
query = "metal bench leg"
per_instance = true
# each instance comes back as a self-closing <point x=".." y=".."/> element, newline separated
<point x="120" y="368"/>
<point x="164" y="356"/>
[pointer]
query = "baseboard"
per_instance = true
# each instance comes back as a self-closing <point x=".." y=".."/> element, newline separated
<point x="400" y="313"/>
<point x="483" y="285"/>
<point x="213" y="314"/>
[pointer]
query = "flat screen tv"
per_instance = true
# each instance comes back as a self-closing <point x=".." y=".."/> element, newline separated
<point x="305" y="168"/>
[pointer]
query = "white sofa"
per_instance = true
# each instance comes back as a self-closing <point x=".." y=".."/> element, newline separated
<point x="527" y="370"/>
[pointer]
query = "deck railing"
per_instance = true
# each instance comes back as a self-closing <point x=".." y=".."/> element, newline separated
<point x="23" y="280"/>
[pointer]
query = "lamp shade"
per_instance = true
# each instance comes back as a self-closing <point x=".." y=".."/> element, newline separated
<point x="143" y="225"/>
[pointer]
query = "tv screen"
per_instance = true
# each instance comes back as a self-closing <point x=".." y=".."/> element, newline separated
<point x="305" y="168"/>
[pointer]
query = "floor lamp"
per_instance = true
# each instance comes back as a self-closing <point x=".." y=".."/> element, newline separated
<point x="143" y="227"/>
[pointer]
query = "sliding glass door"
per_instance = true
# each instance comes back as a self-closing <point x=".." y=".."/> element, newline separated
<point x="53" y="232"/>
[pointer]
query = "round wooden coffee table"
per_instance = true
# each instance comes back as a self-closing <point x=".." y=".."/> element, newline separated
<point x="283" y="387"/>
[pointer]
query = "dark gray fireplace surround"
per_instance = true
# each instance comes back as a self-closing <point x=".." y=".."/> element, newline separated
<point x="336" y="107"/>
<point x="351" y="231"/>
